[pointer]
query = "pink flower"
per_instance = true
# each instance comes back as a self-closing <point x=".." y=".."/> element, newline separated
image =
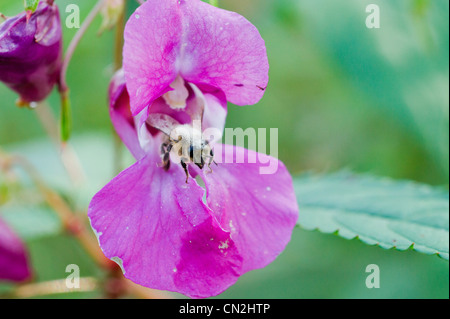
<point x="31" y="52"/>
<point x="13" y="256"/>
<point x="183" y="60"/>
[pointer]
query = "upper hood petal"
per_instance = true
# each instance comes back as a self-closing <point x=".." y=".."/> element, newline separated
<point x="150" y="51"/>
<point x="203" y="44"/>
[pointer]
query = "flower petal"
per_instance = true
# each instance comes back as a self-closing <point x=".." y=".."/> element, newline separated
<point x="162" y="233"/>
<point x="150" y="51"/>
<point x="214" y="108"/>
<point x="13" y="256"/>
<point x="259" y="210"/>
<point x="203" y="44"/>
<point x="119" y="110"/>
<point x="224" y="50"/>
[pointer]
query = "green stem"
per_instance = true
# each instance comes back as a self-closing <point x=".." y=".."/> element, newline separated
<point x="119" y="40"/>
<point x="76" y="39"/>
<point x="63" y="88"/>
<point x="118" y="47"/>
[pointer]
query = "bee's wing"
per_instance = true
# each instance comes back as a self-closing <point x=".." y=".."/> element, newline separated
<point x="163" y="122"/>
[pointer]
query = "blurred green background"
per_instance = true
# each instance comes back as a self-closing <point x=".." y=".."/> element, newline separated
<point x="342" y="96"/>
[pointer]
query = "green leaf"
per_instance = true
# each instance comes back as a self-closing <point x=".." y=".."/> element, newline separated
<point x="30" y="5"/>
<point x="401" y="67"/>
<point x="378" y="211"/>
<point x="214" y="3"/>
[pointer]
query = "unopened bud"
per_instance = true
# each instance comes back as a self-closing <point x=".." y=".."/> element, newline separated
<point x="31" y="52"/>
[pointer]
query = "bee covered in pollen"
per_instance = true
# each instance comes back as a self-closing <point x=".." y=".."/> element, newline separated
<point x="184" y="141"/>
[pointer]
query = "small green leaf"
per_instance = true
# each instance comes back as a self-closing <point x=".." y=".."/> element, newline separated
<point x="214" y="3"/>
<point x="378" y="211"/>
<point x="30" y="5"/>
<point x="66" y="117"/>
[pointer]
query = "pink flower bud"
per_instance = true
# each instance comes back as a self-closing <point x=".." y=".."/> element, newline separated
<point x="31" y="52"/>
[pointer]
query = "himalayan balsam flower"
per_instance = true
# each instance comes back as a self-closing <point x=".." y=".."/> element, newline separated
<point x="182" y="58"/>
<point x="31" y="52"/>
<point x="13" y="257"/>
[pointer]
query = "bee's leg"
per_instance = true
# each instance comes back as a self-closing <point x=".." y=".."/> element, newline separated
<point x="163" y="148"/>
<point x="185" y="170"/>
<point x="166" y="161"/>
<point x="211" y="160"/>
<point x="165" y="151"/>
<point x="212" y="157"/>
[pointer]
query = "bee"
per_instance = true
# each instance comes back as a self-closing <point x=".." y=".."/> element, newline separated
<point x="184" y="141"/>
